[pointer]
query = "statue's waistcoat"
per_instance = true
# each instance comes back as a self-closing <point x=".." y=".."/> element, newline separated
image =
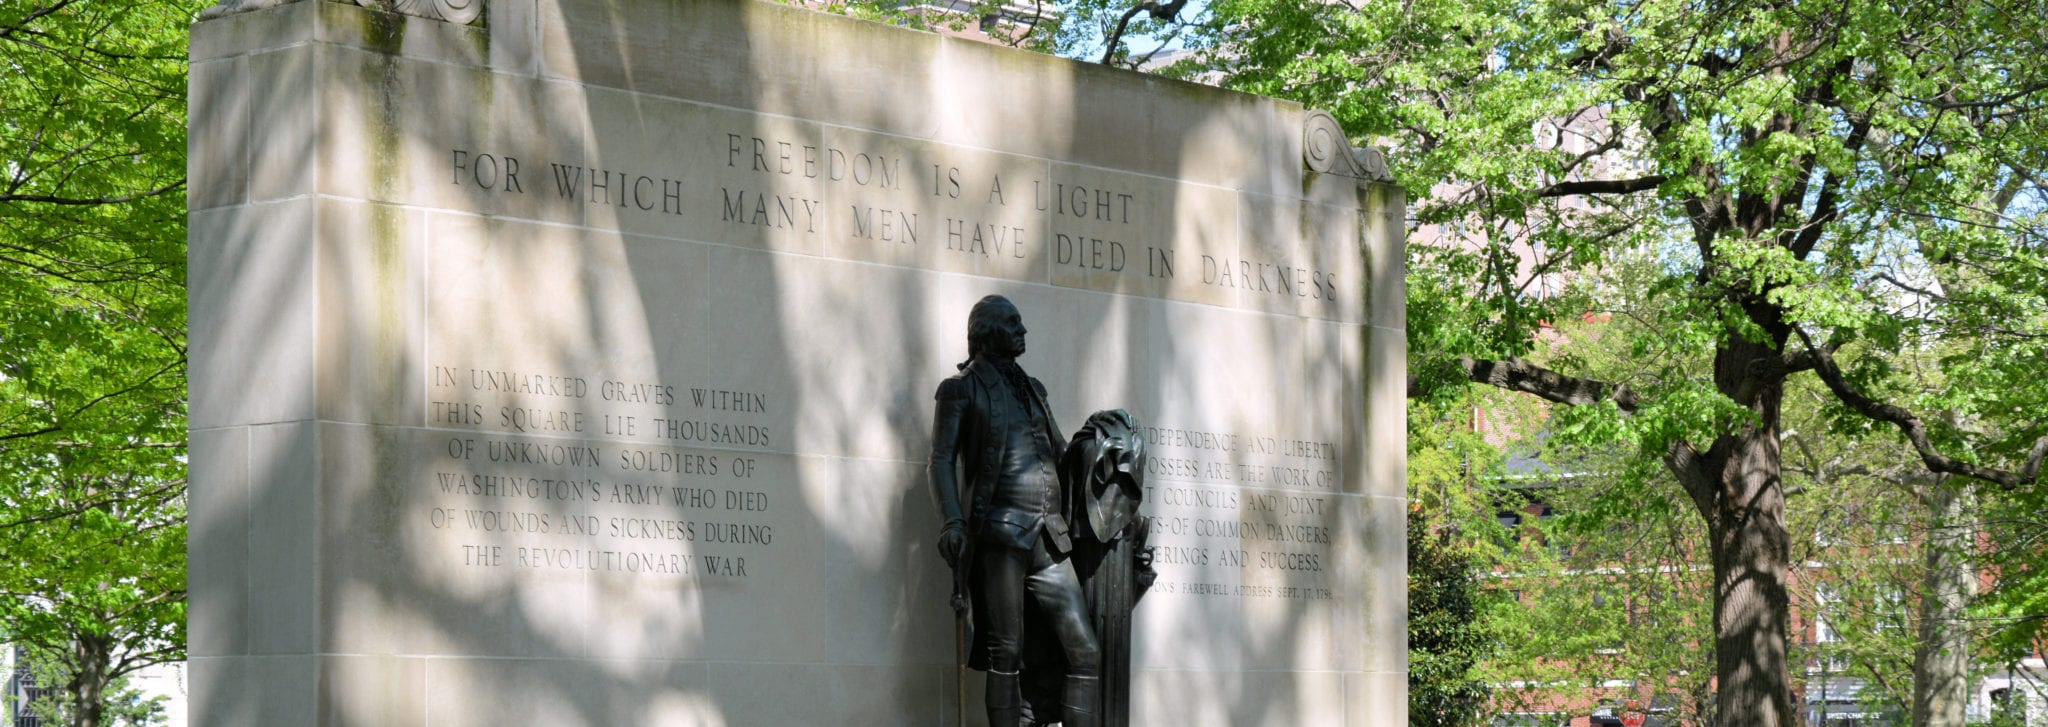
<point x="1012" y="450"/>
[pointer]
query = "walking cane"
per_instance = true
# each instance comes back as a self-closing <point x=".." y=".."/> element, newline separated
<point x="960" y="638"/>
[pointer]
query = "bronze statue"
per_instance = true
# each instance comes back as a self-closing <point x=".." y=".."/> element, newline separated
<point x="1009" y="530"/>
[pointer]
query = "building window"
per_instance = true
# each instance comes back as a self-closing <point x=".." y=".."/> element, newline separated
<point x="2008" y="708"/>
<point x="1824" y="600"/>
<point x="21" y="690"/>
<point x="1511" y="527"/>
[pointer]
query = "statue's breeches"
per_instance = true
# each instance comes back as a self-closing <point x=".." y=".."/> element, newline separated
<point x="1013" y="580"/>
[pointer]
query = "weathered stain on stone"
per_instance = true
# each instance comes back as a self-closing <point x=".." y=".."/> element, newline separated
<point x="385" y="33"/>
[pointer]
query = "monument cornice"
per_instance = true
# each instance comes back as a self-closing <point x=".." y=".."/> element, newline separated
<point x="459" y="12"/>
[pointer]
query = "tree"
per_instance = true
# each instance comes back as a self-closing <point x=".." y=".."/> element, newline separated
<point x="1450" y="632"/>
<point x="1600" y="604"/>
<point x="124" y="705"/>
<point x="100" y="590"/>
<point x="1803" y="155"/>
<point x="1446" y="638"/>
<point x="2014" y="612"/>
<point x="1607" y="578"/>
<point x="1885" y="558"/>
<point x="92" y="350"/>
<point x="1860" y="513"/>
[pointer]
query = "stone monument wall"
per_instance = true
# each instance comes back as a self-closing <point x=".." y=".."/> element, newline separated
<point x="570" y="362"/>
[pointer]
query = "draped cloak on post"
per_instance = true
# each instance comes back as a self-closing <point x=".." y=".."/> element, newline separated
<point x="1103" y="472"/>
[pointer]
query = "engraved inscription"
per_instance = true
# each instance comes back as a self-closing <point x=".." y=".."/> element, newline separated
<point x="886" y="199"/>
<point x="1191" y="455"/>
<point x="1276" y="544"/>
<point x="574" y="506"/>
<point x="539" y="403"/>
<point x="1257" y="508"/>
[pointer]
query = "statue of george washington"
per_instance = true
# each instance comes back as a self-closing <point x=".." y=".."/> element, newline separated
<point x="1009" y="532"/>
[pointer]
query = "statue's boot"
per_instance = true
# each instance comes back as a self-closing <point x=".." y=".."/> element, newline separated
<point x="1005" y="699"/>
<point x="1080" y="700"/>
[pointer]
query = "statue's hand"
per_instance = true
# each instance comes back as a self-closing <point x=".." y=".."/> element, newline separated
<point x="952" y="544"/>
<point x="1142" y="569"/>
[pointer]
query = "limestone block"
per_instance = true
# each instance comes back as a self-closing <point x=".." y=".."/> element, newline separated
<point x="1386" y="256"/>
<point x="1126" y="233"/>
<point x="883" y="594"/>
<point x="283" y="545"/>
<point x="399" y="682"/>
<point x="514" y="37"/>
<point x="283" y="26"/>
<point x="216" y="162"/>
<point x="400" y="34"/>
<point x="283" y="104"/>
<point x="371" y="281"/>
<point x="217" y="524"/>
<point x="1386" y="375"/>
<point x="902" y="201"/>
<point x="250" y="296"/>
<point x="519" y="691"/>
<point x="1332" y="358"/>
<point x="246" y="689"/>
<point x="1300" y="259"/>
<point x="1385" y="587"/>
<point x="1376" y="699"/>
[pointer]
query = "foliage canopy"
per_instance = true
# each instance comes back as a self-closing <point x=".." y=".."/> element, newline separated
<point x="1847" y="193"/>
<point x="92" y="336"/>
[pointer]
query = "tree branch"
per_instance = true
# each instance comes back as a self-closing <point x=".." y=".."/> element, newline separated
<point x="1037" y="11"/>
<point x="1158" y="11"/>
<point x="1916" y="430"/>
<point x="33" y="433"/>
<point x="1826" y="209"/>
<point x="89" y="201"/>
<point x="1804" y="360"/>
<point x="166" y="488"/>
<point x="1515" y="374"/>
<point x="1989" y="102"/>
<point x="1914" y="289"/>
<point x="1611" y="143"/>
<point x="1601" y="186"/>
<point x="1686" y="462"/>
<point x="9" y="31"/>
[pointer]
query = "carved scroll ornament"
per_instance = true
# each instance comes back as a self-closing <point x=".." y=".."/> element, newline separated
<point x="1325" y="149"/>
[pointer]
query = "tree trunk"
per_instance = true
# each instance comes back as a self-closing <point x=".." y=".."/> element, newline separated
<point x="1941" y="656"/>
<point x="1739" y="492"/>
<point x="1751" y="608"/>
<point x="92" y="658"/>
